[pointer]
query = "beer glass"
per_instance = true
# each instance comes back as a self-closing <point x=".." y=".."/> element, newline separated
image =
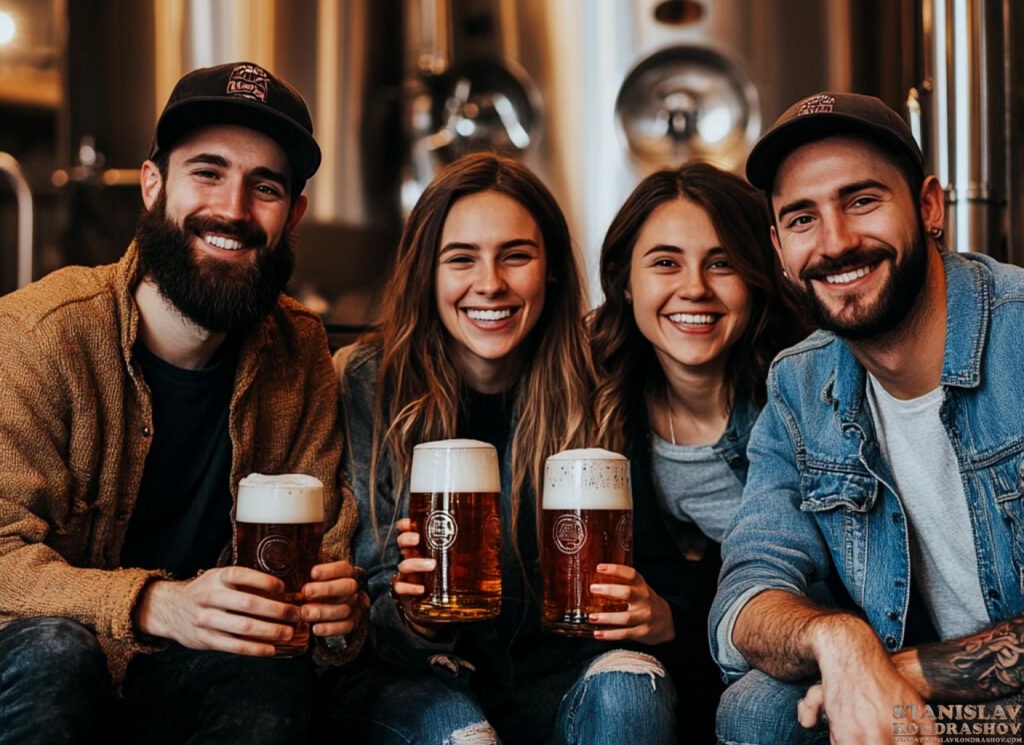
<point x="280" y="526"/>
<point x="587" y="519"/>
<point x="455" y="506"/>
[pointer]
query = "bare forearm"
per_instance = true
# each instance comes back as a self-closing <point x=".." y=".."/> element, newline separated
<point x="777" y="632"/>
<point x="986" y="665"/>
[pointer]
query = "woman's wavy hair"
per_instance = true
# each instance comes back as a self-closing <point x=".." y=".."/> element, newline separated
<point x="419" y="386"/>
<point x="628" y="373"/>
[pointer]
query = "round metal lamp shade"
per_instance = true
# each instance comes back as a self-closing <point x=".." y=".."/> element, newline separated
<point x="688" y="103"/>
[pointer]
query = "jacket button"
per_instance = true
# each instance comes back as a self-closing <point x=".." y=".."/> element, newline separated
<point x="896" y="517"/>
<point x="994" y="593"/>
<point x="894" y="616"/>
<point x="146" y="431"/>
<point x="890" y="642"/>
<point x="122" y="516"/>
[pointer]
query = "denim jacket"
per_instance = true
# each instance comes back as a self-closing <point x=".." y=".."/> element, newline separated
<point x="819" y="493"/>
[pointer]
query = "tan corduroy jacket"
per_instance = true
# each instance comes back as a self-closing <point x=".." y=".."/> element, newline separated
<point x="76" y="426"/>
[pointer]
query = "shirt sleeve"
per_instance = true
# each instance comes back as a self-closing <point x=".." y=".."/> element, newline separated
<point x="771" y="544"/>
<point x="50" y="517"/>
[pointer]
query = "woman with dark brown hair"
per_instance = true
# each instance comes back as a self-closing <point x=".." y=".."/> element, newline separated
<point x="695" y="309"/>
<point x="482" y="337"/>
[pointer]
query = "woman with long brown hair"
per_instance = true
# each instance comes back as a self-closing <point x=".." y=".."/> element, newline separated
<point x="482" y="338"/>
<point x="695" y="309"/>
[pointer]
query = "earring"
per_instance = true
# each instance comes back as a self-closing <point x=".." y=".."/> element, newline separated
<point x="936" y="232"/>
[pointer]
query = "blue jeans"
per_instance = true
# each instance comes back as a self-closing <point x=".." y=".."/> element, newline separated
<point x="53" y="682"/>
<point x="54" y="688"/>
<point x="759" y="710"/>
<point x="619" y="698"/>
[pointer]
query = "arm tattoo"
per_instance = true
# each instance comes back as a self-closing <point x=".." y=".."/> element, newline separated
<point x="989" y="664"/>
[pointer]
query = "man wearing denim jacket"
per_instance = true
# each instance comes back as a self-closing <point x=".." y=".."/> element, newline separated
<point x="890" y="454"/>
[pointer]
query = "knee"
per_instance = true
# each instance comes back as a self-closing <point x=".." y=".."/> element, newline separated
<point x="478" y="733"/>
<point x="58" y="649"/>
<point x="621" y="673"/>
<point x="760" y="709"/>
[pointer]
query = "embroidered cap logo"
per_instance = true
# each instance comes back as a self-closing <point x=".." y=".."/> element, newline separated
<point x="249" y="81"/>
<point x="821" y="104"/>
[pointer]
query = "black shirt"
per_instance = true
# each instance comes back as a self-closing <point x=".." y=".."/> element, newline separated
<point x="182" y="517"/>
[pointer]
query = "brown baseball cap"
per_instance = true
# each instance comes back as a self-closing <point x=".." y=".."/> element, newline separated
<point x="824" y="115"/>
<point x="245" y="94"/>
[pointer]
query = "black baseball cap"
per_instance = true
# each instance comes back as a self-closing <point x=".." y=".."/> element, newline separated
<point x="244" y="94"/>
<point x="824" y="115"/>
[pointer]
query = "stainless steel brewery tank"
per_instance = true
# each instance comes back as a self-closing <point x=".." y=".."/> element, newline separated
<point x="593" y="94"/>
<point x="628" y="86"/>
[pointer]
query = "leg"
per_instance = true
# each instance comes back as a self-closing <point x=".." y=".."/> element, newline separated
<point x="53" y="682"/>
<point x="385" y="706"/>
<point x="623" y="697"/>
<point x="181" y="695"/>
<point x="760" y="710"/>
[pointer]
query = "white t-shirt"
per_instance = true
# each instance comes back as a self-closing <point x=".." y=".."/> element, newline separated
<point x="943" y="559"/>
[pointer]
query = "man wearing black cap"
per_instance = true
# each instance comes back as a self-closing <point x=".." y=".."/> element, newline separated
<point x="133" y="398"/>
<point x="889" y="458"/>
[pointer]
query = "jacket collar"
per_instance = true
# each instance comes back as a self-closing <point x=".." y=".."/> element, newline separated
<point x="968" y="302"/>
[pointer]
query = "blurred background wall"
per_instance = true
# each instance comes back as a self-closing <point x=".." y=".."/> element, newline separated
<point x="593" y="94"/>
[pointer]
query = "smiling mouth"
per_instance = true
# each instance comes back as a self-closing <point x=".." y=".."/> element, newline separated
<point x="850" y="276"/>
<point x="693" y="319"/>
<point x="477" y="314"/>
<point x="223" y="242"/>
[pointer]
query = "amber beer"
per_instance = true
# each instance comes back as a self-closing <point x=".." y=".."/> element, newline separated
<point x="280" y="526"/>
<point x="454" y="505"/>
<point x="587" y="520"/>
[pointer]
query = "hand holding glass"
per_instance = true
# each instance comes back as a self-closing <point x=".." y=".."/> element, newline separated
<point x="280" y="527"/>
<point x="454" y="506"/>
<point x="587" y="520"/>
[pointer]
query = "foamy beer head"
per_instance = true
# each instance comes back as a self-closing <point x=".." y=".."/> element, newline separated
<point x="590" y="478"/>
<point x="467" y="466"/>
<point x="280" y="500"/>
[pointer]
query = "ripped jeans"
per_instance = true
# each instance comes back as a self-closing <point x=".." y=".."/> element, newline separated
<point x="620" y="698"/>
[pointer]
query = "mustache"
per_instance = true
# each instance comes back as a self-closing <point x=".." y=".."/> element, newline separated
<point x="853" y="258"/>
<point x="249" y="233"/>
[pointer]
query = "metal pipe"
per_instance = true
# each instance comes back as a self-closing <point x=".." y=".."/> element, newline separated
<point x="23" y="194"/>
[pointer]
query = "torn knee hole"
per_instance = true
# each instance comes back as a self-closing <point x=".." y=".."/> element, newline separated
<point x="479" y="733"/>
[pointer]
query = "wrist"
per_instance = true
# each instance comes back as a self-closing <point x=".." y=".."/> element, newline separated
<point x="908" y="664"/>
<point x="148" y="615"/>
<point x="835" y="637"/>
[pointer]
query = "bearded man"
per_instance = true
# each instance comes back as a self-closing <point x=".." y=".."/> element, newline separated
<point x="133" y="398"/>
<point x="889" y="459"/>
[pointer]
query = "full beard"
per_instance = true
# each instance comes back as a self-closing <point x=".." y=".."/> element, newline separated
<point x="219" y="296"/>
<point x="856" y="321"/>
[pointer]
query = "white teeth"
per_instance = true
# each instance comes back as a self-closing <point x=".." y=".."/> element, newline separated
<point x="489" y="315"/>
<point x="693" y="319"/>
<point x="838" y="279"/>
<point x="228" y="244"/>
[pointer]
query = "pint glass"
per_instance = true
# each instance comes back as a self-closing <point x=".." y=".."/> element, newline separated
<point x="280" y="525"/>
<point x="454" y="505"/>
<point x="587" y="519"/>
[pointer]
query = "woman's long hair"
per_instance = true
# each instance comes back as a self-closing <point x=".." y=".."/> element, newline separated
<point x="419" y="386"/>
<point x="628" y="372"/>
